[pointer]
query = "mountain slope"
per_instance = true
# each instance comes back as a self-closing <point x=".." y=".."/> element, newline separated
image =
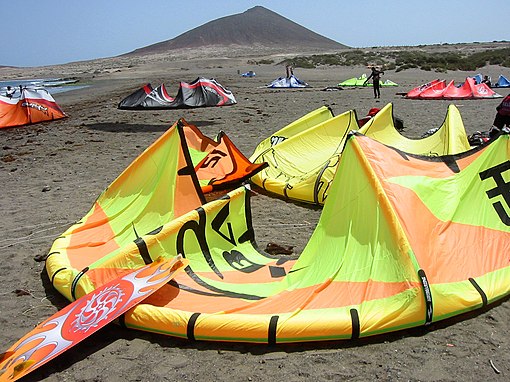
<point x="256" y="26"/>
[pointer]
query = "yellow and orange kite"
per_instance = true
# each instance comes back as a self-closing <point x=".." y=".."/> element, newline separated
<point x="371" y="266"/>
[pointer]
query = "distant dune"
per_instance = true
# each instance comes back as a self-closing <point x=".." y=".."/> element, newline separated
<point x="257" y="26"/>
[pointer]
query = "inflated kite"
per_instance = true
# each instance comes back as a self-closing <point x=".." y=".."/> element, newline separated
<point x="303" y="157"/>
<point x="33" y="105"/>
<point x="370" y="266"/>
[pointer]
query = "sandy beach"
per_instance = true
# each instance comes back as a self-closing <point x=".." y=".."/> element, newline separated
<point x="51" y="173"/>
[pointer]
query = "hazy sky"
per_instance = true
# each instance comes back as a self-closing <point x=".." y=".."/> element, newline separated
<point x="37" y="32"/>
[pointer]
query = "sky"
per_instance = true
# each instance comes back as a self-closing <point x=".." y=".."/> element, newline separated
<point x="39" y="33"/>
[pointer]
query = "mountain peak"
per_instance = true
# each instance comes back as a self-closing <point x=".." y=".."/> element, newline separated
<point x="257" y="26"/>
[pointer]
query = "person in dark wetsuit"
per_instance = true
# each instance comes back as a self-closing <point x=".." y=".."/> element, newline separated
<point x="487" y="81"/>
<point x="376" y="77"/>
<point x="502" y="119"/>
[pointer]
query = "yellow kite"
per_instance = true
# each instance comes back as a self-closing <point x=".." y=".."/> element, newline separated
<point x="371" y="266"/>
<point x="303" y="157"/>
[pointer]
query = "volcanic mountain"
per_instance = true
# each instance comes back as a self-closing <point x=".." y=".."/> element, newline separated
<point x="258" y="26"/>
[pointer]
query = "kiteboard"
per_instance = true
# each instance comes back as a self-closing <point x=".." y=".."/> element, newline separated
<point x="85" y="316"/>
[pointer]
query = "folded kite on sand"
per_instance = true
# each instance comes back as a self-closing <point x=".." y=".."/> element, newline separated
<point x="303" y="157"/>
<point x="288" y="82"/>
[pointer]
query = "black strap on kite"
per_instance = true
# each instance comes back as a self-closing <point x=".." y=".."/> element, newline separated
<point x="74" y="284"/>
<point x="277" y="272"/>
<point x="264" y="184"/>
<point x="287" y="187"/>
<point x="479" y="290"/>
<point x="144" y="251"/>
<point x="53" y="277"/>
<point x="51" y="253"/>
<point x="428" y="296"/>
<point x="450" y="161"/>
<point x="355" y="324"/>
<point x="271" y="333"/>
<point x="190" y="330"/>
<point x="189" y="169"/>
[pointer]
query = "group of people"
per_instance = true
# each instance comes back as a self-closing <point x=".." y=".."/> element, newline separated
<point x="9" y="91"/>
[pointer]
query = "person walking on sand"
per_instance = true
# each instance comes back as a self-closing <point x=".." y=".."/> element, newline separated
<point x="376" y="77"/>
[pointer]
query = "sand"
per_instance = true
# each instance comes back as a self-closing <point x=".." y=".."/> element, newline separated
<point x="51" y="173"/>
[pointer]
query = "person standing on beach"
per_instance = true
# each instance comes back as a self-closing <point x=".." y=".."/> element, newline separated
<point x="375" y="76"/>
<point x="10" y="92"/>
<point x="502" y="119"/>
<point x="487" y="81"/>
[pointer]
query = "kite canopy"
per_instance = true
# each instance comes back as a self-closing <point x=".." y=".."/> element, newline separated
<point x="302" y="158"/>
<point x="449" y="138"/>
<point x="157" y="187"/>
<point x="355" y="81"/>
<point x="478" y="78"/>
<point x="288" y="82"/>
<point x="249" y="73"/>
<point x="370" y="266"/>
<point x="299" y="157"/>
<point x="218" y="163"/>
<point x="360" y="81"/>
<point x="439" y="89"/>
<point x="388" y="83"/>
<point x="31" y="106"/>
<point x="202" y="92"/>
<point x="163" y="183"/>
<point x="503" y="82"/>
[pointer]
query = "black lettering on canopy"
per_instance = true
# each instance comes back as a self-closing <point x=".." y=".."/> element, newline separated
<point x="238" y="261"/>
<point x="213" y="158"/>
<point x="218" y="221"/>
<point x="198" y="228"/>
<point x="502" y="189"/>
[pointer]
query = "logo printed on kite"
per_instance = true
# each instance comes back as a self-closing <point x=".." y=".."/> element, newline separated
<point x="502" y="189"/>
<point x="482" y="90"/>
<point x="212" y="90"/>
<point x="240" y="262"/>
<point x="428" y="297"/>
<point x="213" y="158"/>
<point x="35" y="106"/>
<point x="276" y="139"/>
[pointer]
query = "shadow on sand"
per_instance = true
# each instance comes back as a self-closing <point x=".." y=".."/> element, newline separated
<point x="140" y="128"/>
